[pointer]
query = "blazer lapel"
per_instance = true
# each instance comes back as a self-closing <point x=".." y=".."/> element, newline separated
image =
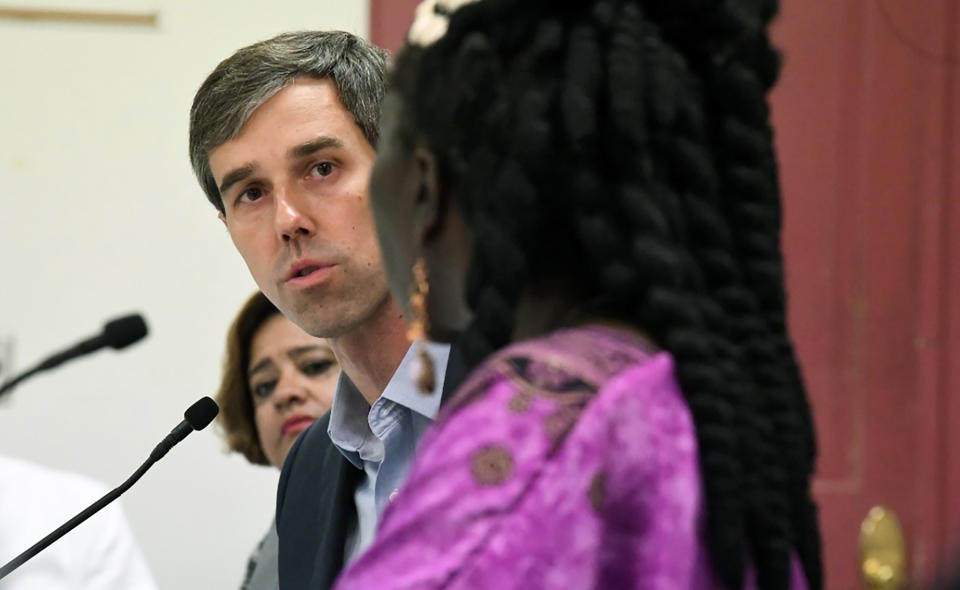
<point x="336" y="517"/>
<point x="455" y="374"/>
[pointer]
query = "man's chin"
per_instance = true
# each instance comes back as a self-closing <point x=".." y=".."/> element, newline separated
<point x="325" y="325"/>
<point x="331" y="317"/>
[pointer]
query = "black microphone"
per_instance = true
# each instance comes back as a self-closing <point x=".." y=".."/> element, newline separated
<point x="117" y="334"/>
<point x="197" y="417"/>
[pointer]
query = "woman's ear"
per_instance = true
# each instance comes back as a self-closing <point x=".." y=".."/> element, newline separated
<point x="430" y="205"/>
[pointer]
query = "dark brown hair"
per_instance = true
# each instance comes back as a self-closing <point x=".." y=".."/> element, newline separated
<point x="234" y="398"/>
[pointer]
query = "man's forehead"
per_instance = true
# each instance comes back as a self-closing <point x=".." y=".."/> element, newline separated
<point x="305" y="101"/>
<point x="295" y="116"/>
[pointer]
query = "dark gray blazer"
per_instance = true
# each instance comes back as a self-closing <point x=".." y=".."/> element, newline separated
<point x="315" y="501"/>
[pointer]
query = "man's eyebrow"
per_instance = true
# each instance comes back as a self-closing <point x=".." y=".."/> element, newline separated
<point x="314" y="145"/>
<point x="235" y="176"/>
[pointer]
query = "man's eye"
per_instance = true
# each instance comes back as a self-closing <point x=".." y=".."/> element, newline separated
<point x="315" y="368"/>
<point x="322" y="169"/>
<point x="250" y="195"/>
<point x="263" y="390"/>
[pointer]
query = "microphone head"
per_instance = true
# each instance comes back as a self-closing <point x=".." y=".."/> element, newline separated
<point x="201" y="413"/>
<point x="122" y="332"/>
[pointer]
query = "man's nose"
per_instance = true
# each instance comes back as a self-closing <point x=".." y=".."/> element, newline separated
<point x="293" y="218"/>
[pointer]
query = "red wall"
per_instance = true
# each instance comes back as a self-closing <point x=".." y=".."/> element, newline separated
<point x="389" y="20"/>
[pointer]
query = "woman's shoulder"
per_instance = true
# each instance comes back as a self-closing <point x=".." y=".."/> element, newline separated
<point x="566" y="434"/>
<point x="565" y="364"/>
<point x="579" y="381"/>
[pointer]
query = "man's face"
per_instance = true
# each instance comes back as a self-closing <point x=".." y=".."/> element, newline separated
<point x="294" y="190"/>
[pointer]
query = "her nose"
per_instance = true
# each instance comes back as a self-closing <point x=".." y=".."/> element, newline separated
<point x="289" y="390"/>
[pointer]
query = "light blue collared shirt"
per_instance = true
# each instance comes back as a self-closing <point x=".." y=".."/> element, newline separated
<point x="381" y="439"/>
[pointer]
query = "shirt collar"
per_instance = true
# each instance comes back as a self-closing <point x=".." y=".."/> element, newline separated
<point x="349" y="427"/>
<point x="401" y="389"/>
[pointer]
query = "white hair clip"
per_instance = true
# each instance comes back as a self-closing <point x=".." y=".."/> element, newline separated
<point x="431" y="20"/>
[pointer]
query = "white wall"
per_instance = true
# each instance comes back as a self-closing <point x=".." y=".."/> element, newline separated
<point x="100" y="215"/>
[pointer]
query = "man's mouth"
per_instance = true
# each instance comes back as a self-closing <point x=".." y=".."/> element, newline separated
<point x="306" y="270"/>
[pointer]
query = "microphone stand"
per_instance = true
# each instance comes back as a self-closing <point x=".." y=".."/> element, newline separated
<point x="117" y="334"/>
<point x="197" y="417"/>
<point x="76" y="520"/>
<point x="9" y="385"/>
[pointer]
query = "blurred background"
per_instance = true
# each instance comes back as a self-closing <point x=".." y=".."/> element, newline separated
<point x="100" y="214"/>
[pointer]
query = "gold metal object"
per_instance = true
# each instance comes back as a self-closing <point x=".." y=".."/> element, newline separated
<point x="424" y="373"/>
<point x="882" y="550"/>
<point x="148" y="19"/>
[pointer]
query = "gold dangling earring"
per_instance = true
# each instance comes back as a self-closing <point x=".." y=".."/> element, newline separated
<point x="423" y="373"/>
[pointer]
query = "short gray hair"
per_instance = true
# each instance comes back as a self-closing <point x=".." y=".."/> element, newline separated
<point x="252" y="75"/>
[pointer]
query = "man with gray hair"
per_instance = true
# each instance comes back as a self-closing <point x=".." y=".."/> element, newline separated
<point x="282" y="140"/>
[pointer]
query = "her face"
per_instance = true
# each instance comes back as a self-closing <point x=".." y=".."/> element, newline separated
<point x="416" y="219"/>
<point x="292" y="378"/>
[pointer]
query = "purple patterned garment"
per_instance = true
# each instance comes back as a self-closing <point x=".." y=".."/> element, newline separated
<point x="566" y="462"/>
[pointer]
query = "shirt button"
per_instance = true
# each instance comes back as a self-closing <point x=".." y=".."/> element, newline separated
<point x="393" y="495"/>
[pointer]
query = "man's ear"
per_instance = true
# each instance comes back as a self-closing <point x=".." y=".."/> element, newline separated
<point x="431" y="204"/>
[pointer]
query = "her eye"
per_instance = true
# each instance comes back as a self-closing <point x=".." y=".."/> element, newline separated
<point x="316" y="368"/>
<point x="322" y="169"/>
<point x="263" y="390"/>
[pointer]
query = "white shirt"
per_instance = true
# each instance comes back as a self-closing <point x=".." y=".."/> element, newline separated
<point x="100" y="554"/>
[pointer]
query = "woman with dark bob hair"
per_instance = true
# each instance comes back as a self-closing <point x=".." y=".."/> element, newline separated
<point x="277" y="380"/>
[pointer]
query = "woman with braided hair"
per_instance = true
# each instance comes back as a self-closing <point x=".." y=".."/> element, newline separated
<point x="584" y="196"/>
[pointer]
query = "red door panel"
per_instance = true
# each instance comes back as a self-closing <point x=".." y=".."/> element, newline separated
<point x="865" y="116"/>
